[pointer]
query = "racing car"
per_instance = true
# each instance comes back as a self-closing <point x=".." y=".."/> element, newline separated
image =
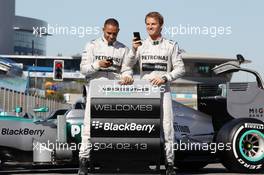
<point x="227" y="128"/>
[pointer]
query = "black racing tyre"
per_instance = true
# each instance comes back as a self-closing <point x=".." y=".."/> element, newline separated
<point x="190" y="166"/>
<point x="245" y="153"/>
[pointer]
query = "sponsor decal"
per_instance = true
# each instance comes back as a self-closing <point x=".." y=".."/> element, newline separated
<point x="22" y="131"/>
<point x="76" y="129"/>
<point x="155" y="57"/>
<point x="255" y="112"/>
<point x="110" y="126"/>
<point x="123" y="107"/>
<point x="154" y="67"/>
<point x="248" y="165"/>
<point x="254" y="126"/>
<point x="102" y="57"/>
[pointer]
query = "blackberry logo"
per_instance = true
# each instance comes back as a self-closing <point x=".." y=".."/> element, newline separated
<point x="22" y="131"/>
<point x="123" y="126"/>
<point x="97" y="124"/>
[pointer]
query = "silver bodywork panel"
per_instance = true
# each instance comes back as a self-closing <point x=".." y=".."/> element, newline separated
<point x="192" y="124"/>
<point x="20" y="133"/>
<point x="245" y="100"/>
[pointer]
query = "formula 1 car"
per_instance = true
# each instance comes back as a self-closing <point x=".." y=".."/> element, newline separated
<point x="125" y="129"/>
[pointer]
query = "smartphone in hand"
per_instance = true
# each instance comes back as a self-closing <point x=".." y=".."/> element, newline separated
<point x="110" y="60"/>
<point x="137" y="36"/>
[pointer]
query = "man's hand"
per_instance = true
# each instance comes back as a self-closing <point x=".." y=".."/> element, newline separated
<point x="157" y="81"/>
<point x="105" y="63"/>
<point x="136" y="43"/>
<point x="126" y="80"/>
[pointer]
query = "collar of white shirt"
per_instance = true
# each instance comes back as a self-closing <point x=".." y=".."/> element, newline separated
<point x="155" y="42"/>
<point x="106" y="42"/>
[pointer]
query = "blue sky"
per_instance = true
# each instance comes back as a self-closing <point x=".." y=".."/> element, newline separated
<point x="245" y="19"/>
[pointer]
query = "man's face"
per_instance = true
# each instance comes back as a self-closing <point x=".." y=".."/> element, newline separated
<point x="110" y="33"/>
<point x="153" y="26"/>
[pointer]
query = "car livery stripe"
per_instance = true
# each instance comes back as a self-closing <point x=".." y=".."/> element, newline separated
<point x="14" y="118"/>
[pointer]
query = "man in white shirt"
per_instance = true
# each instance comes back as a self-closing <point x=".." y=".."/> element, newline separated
<point x="103" y="58"/>
<point x="160" y="63"/>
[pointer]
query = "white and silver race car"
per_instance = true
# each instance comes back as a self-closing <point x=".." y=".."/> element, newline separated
<point x="126" y="129"/>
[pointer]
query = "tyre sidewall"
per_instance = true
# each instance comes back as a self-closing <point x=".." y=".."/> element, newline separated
<point x="231" y="133"/>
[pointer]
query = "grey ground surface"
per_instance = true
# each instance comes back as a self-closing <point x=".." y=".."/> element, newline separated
<point x="212" y="169"/>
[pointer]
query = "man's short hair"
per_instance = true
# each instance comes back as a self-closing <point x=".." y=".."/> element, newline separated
<point x="155" y="15"/>
<point x="111" y="21"/>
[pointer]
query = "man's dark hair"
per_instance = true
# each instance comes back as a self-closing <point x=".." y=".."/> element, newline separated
<point x="155" y="15"/>
<point x="111" y="21"/>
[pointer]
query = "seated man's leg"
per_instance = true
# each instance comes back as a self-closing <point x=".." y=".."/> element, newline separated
<point x="85" y="149"/>
<point x="168" y="130"/>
